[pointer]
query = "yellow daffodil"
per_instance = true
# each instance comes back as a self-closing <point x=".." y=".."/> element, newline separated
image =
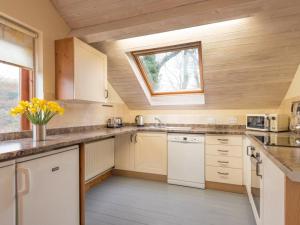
<point x="38" y="111"/>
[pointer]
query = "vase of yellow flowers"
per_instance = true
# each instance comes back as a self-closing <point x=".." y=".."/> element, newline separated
<point x="39" y="112"/>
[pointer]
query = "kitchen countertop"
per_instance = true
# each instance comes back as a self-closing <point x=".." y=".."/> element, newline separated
<point x="287" y="159"/>
<point x="23" y="147"/>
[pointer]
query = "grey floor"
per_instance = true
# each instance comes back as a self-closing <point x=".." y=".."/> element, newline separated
<point x="127" y="201"/>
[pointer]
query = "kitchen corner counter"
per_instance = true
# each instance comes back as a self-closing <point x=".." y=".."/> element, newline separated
<point x="287" y="159"/>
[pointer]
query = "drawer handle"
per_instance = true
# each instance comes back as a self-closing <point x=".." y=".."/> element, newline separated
<point x="226" y="174"/>
<point x="223" y="161"/>
<point x="223" y="151"/>
<point x="222" y="139"/>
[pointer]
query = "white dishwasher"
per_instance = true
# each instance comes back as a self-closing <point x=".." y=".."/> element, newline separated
<point x="186" y="160"/>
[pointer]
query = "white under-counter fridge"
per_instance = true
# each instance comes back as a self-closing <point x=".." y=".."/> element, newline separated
<point x="48" y="188"/>
<point x="7" y="193"/>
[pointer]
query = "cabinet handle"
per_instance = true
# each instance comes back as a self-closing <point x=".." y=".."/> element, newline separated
<point x="131" y="136"/>
<point x="26" y="189"/>
<point x="224" y="151"/>
<point x="251" y="148"/>
<point x="135" y="138"/>
<point x="257" y="168"/>
<point x="223" y="161"/>
<point x="106" y="94"/>
<point x="226" y="174"/>
<point x="222" y="139"/>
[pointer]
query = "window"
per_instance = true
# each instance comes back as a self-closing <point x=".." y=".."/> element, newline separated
<point x="14" y="86"/>
<point x="172" y="70"/>
<point x="16" y="72"/>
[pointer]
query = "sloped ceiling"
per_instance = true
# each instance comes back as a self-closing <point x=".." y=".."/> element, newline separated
<point x="248" y="66"/>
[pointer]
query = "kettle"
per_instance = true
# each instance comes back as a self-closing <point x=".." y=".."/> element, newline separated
<point x="139" y="120"/>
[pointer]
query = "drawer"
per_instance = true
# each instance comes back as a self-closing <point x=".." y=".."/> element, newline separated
<point x="224" y="150"/>
<point x="224" y="175"/>
<point x="223" y="161"/>
<point x="224" y="140"/>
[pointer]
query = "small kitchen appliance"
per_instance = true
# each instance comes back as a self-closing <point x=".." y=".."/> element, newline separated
<point x="139" y="120"/>
<point x="114" y="122"/>
<point x="295" y="117"/>
<point x="267" y="122"/>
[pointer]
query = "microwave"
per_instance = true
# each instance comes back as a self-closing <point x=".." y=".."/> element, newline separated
<point x="267" y="122"/>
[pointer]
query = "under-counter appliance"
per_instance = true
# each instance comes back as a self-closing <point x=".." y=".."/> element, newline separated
<point x="114" y="122"/>
<point x="267" y="122"/>
<point x="7" y="193"/>
<point x="186" y="160"/>
<point x="256" y="177"/>
<point x="139" y="120"/>
<point x="48" y="188"/>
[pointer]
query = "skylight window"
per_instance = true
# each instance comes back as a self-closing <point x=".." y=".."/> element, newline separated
<point x="173" y="69"/>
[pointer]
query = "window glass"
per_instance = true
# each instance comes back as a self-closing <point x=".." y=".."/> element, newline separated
<point x="172" y="71"/>
<point x="9" y="97"/>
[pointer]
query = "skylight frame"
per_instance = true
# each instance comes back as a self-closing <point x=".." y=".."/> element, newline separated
<point x="136" y="56"/>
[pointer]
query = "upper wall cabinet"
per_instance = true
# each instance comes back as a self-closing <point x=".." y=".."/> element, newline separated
<point x="81" y="71"/>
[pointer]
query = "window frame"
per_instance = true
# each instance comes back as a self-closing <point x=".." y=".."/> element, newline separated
<point x="137" y="54"/>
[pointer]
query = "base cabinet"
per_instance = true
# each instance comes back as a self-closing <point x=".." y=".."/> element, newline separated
<point x="124" y="152"/>
<point x="272" y="194"/>
<point x="7" y="194"/>
<point x="150" y="153"/>
<point x="144" y="152"/>
<point x="48" y="188"/>
<point x="99" y="157"/>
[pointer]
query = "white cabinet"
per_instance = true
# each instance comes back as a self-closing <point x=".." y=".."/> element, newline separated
<point x="48" y="188"/>
<point x="144" y="152"/>
<point x="272" y="193"/>
<point x="151" y="153"/>
<point x="124" y="152"/>
<point x="99" y="157"/>
<point x="81" y="71"/>
<point x="7" y="193"/>
<point x="224" y="159"/>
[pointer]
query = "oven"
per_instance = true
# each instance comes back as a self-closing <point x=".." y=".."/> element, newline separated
<point x="256" y="176"/>
<point x="258" y="122"/>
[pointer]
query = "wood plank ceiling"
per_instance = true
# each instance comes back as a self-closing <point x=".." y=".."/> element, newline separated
<point x="249" y="67"/>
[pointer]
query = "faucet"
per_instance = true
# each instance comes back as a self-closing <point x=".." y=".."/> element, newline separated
<point x="158" y="122"/>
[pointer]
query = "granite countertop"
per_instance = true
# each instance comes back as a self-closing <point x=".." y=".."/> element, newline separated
<point x="287" y="159"/>
<point x="24" y="147"/>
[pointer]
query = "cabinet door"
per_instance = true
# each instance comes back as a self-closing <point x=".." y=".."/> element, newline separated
<point x="90" y="73"/>
<point x="99" y="157"/>
<point x="48" y="189"/>
<point x="124" y="152"/>
<point x="151" y="153"/>
<point x="272" y="194"/>
<point x="7" y="195"/>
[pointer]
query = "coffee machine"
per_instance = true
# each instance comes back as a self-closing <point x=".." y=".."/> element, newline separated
<point x="295" y="117"/>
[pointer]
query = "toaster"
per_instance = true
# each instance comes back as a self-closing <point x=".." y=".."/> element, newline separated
<point x="114" y="122"/>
